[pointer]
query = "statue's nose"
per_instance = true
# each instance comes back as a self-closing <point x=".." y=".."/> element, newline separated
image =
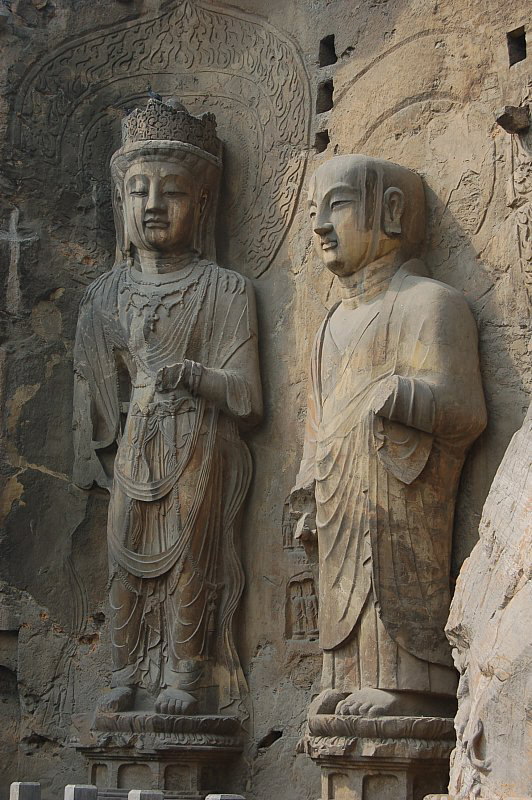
<point x="155" y="199"/>
<point x="323" y="228"/>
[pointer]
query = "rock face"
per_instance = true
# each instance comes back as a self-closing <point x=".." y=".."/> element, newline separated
<point x="292" y="83"/>
<point x="490" y="627"/>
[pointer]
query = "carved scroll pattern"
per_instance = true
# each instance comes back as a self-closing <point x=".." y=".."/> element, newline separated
<point x="522" y="199"/>
<point x="214" y="59"/>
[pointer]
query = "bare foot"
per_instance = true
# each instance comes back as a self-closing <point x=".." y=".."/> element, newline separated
<point x="175" y="701"/>
<point x="118" y="699"/>
<point x="326" y="702"/>
<point x="380" y="703"/>
<point x="369" y="703"/>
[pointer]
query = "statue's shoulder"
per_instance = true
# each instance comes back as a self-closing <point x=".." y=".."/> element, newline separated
<point x="102" y="292"/>
<point x="230" y="282"/>
<point x="428" y="292"/>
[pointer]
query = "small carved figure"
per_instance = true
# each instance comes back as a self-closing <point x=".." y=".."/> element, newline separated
<point x="311" y="611"/>
<point x="287" y="528"/>
<point x="298" y="611"/>
<point x="395" y="402"/>
<point x="180" y="333"/>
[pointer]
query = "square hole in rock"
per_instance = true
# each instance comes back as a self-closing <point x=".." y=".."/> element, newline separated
<point x="327" y="54"/>
<point x="321" y="141"/>
<point x="324" y="100"/>
<point x="516" y="41"/>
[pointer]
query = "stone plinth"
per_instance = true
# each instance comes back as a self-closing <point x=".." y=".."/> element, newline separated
<point x="387" y="758"/>
<point x="184" y="756"/>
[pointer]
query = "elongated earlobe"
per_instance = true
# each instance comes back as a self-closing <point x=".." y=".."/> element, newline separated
<point x="201" y="213"/>
<point x="123" y="243"/>
<point x="393" y="205"/>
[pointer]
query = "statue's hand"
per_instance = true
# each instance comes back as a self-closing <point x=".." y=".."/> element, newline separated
<point x="170" y="378"/>
<point x="383" y="399"/>
<point x="302" y="505"/>
<point x="306" y="528"/>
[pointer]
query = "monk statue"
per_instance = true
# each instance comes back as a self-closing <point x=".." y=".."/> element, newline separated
<point x="166" y="375"/>
<point x="395" y="402"/>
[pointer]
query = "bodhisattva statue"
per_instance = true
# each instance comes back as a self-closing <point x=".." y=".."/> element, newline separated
<point x="395" y="402"/>
<point x="180" y="334"/>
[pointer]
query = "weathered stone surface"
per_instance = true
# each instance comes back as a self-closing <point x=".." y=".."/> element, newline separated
<point x="418" y="84"/>
<point x="490" y="630"/>
<point x="184" y="756"/>
<point x="379" y="759"/>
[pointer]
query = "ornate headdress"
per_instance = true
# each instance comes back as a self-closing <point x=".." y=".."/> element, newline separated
<point x="165" y="129"/>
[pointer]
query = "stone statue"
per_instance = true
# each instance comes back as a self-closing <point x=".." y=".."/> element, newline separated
<point x="395" y="402"/>
<point x="166" y="372"/>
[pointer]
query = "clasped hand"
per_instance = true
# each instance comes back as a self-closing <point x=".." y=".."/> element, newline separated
<point x="170" y="378"/>
<point x="183" y="375"/>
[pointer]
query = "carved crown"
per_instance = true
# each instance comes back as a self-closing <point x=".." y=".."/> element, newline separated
<point x="171" y="122"/>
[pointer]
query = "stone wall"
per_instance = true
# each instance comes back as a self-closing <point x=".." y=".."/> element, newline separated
<point x="413" y="82"/>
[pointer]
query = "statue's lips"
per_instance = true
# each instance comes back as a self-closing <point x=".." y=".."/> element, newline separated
<point x="329" y="245"/>
<point x="156" y="223"/>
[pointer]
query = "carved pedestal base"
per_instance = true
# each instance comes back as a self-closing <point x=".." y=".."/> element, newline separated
<point x="186" y="757"/>
<point x="388" y="758"/>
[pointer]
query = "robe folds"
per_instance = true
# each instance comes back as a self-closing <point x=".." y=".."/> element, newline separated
<point x="385" y="483"/>
<point x="181" y="470"/>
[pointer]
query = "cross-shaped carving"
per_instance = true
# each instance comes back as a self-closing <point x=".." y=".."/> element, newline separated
<point x="13" y="295"/>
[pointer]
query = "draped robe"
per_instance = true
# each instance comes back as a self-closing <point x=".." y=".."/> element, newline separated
<point x="181" y="470"/>
<point x="385" y="486"/>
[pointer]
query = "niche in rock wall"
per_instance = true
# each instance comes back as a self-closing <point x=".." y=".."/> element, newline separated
<point x="516" y="41"/>
<point x="302" y="607"/>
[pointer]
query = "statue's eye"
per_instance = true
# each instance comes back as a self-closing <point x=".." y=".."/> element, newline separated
<point x="339" y="203"/>
<point x="138" y="192"/>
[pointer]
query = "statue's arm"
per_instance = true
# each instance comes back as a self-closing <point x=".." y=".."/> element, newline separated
<point x="234" y="388"/>
<point x="95" y="407"/>
<point x="441" y="392"/>
<point x="406" y="400"/>
<point x="302" y="501"/>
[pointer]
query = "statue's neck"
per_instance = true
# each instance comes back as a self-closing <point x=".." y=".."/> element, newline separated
<point x="370" y="281"/>
<point x="158" y="264"/>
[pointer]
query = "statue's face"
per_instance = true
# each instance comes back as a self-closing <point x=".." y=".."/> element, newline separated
<point x="160" y="206"/>
<point x="337" y="210"/>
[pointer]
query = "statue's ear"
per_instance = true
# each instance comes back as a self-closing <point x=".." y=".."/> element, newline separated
<point x="393" y="204"/>
<point x="203" y="199"/>
<point x="123" y="243"/>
